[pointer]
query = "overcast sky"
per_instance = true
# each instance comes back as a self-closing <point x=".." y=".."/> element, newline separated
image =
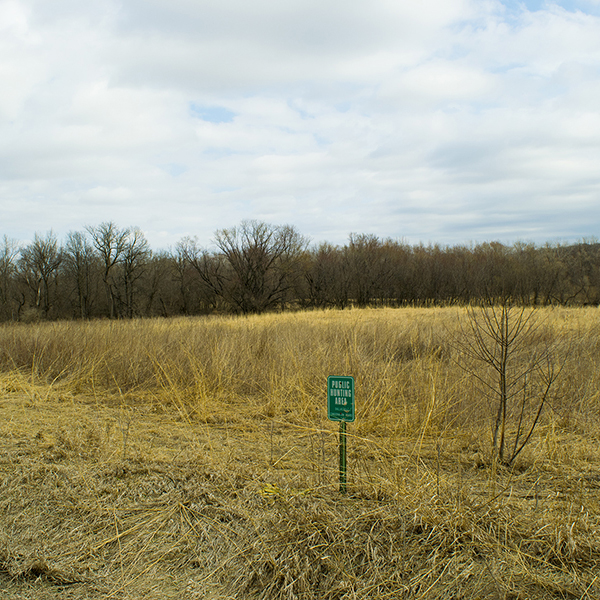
<point x="449" y="121"/>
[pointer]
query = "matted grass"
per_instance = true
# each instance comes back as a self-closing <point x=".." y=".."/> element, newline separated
<point x="193" y="459"/>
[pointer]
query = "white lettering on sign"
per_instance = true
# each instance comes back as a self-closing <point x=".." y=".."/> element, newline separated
<point x="336" y="383"/>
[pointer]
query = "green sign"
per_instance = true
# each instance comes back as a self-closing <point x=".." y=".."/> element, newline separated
<point x="340" y="398"/>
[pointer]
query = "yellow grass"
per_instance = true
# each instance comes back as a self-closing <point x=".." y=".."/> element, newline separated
<point x="192" y="458"/>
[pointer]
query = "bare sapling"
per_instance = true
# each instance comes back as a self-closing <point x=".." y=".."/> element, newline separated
<point x="513" y="358"/>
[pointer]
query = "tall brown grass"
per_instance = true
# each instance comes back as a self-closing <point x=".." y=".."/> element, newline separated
<point x="405" y="362"/>
<point x="203" y="444"/>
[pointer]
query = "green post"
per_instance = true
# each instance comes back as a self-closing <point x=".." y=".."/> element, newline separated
<point x="342" y="457"/>
<point x="340" y="407"/>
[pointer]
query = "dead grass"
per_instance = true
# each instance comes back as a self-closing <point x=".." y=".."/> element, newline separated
<point x="192" y="459"/>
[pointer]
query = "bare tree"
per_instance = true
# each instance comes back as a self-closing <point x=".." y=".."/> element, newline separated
<point x="9" y="252"/>
<point x="80" y="264"/>
<point x="369" y="268"/>
<point x="159" y="295"/>
<point x="326" y="277"/>
<point x="134" y="261"/>
<point x="519" y="370"/>
<point x="262" y="263"/>
<point x="39" y="262"/>
<point x="210" y="269"/>
<point x="111" y="243"/>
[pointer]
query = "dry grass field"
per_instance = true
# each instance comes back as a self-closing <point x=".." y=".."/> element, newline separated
<point x="193" y="459"/>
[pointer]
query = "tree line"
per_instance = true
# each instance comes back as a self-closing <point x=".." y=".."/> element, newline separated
<point x="105" y="271"/>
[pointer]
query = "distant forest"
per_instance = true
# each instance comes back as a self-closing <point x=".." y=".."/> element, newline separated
<point x="108" y="272"/>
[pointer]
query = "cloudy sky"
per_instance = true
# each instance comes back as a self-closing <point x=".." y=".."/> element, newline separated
<point x="443" y="121"/>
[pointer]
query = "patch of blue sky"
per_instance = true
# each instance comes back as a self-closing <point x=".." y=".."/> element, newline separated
<point x="212" y="114"/>
<point x="521" y="5"/>
<point x="585" y="6"/>
<point x="321" y="141"/>
<point x="303" y="113"/>
<point x="343" y="107"/>
<point x="506" y="68"/>
<point x="175" y="169"/>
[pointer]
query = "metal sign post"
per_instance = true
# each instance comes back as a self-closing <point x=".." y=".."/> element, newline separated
<point x="340" y="407"/>
<point x="343" y="471"/>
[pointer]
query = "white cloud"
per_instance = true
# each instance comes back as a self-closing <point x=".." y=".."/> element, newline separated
<point x="442" y="120"/>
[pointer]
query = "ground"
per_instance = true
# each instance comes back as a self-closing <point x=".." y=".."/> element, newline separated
<point x="127" y="502"/>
